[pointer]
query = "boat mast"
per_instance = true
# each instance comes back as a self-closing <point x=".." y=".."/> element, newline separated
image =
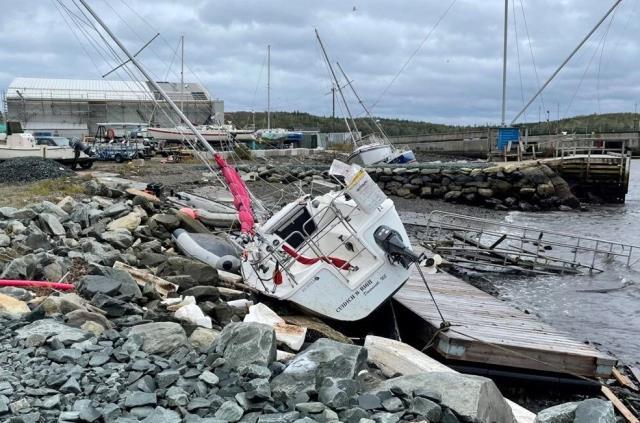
<point x="553" y="75"/>
<point x="504" y="64"/>
<point x="269" y="87"/>
<point x="335" y="79"/>
<point x="377" y="125"/>
<point x="182" y="75"/>
<point x="151" y="81"/>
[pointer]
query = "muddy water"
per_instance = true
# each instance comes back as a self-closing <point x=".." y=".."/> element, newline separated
<point x="610" y="319"/>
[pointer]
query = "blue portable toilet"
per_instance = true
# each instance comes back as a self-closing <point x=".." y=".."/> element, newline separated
<point x="506" y="135"/>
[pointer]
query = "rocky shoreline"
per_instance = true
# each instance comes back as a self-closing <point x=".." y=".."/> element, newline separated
<point x="120" y="349"/>
<point x="501" y="187"/>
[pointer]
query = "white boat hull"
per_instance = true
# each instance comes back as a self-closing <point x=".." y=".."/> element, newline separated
<point x="370" y="154"/>
<point x="54" y="153"/>
<point x="321" y="287"/>
<point x="172" y="134"/>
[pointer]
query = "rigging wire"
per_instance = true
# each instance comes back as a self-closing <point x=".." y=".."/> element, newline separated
<point x="584" y="74"/>
<point x="533" y="59"/>
<point x="515" y="30"/>
<point x="403" y="67"/>
<point x="606" y="33"/>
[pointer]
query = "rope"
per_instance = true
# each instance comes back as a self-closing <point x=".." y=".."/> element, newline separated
<point x="533" y="60"/>
<point x="447" y="326"/>
<point x="424" y="40"/>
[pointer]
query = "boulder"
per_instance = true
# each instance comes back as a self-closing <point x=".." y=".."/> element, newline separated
<point x="62" y="304"/>
<point x="5" y="241"/>
<point x="90" y="285"/>
<point x="52" y="224"/>
<point x="13" y="307"/>
<point x="68" y="204"/>
<point x="50" y="328"/>
<point x="129" y="222"/>
<point x="129" y="288"/>
<point x="24" y="267"/>
<point x="200" y="273"/>
<point x="121" y="239"/>
<point x="160" y="338"/>
<point x="246" y="343"/>
<point x="324" y="358"/>
<point x="562" y="413"/>
<point x="545" y="190"/>
<point x="202" y="338"/>
<point x="472" y="398"/>
<point x="77" y="318"/>
<point x="595" y="410"/>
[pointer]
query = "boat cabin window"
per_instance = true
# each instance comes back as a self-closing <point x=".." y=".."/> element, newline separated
<point x="295" y="226"/>
<point x="45" y="141"/>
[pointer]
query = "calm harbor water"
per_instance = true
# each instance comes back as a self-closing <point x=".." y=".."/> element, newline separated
<point x="612" y="319"/>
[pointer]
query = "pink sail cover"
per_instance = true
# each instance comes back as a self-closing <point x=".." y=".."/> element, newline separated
<point x="241" y="198"/>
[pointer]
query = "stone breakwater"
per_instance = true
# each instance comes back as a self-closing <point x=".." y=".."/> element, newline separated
<point x="502" y="187"/>
<point x="116" y="350"/>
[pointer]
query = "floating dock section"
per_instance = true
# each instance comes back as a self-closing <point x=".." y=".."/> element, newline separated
<point x="499" y="335"/>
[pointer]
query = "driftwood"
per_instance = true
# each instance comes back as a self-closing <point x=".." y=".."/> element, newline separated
<point x="142" y="277"/>
<point x="624" y="380"/>
<point x="393" y="357"/>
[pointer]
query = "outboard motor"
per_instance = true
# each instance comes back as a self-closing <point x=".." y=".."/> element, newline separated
<point x="80" y="147"/>
<point x="391" y="242"/>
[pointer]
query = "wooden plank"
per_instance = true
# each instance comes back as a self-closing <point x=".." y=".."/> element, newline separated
<point x="622" y="409"/>
<point x="624" y="380"/>
<point x="500" y="334"/>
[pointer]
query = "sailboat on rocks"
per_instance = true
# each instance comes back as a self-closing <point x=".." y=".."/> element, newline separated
<point x="339" y="255"/>
<point x="374" y="148"/>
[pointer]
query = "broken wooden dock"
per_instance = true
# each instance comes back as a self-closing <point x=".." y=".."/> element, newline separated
<point x="499" y="335"/>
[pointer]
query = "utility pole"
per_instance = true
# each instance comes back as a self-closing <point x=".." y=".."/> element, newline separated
<point x="182" y="75"/>
<point x="269" y="87"/>
<point x="504" y="64"/>
<point x="333" y="100"/>
<point x="558" y="124"/>
<point x="637" y="118"/>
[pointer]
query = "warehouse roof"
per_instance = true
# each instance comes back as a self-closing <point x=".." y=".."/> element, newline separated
<point x="77" y="89"/>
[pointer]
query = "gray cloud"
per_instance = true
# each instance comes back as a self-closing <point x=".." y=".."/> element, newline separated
<point x="455" y="78"/>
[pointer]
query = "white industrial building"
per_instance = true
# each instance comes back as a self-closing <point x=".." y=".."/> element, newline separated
<point x="71" y="107"/>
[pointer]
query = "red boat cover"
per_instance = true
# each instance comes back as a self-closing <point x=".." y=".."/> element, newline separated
<point x="241" y="198"/>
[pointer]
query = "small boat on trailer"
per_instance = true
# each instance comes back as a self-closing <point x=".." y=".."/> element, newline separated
<point x="19" y="144"/>
<point x="340" y="255"/>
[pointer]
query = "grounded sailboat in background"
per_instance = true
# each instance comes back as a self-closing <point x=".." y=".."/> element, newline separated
<point x="340" y="255"/>
<point x="374" y="148"/>
<point x="275" y="136"/>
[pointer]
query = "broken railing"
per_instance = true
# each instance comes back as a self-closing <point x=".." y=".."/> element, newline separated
<point x="487" y="245"/>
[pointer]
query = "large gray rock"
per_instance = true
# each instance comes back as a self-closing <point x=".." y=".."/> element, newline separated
<point x="52" y="224"/>
<point x="324" y="358"/>
<point x="24" y="267"/>
<point x="246" y="343"/>
<point x="595" y="410"/>
<point x="129" y="289"/>
<point x="562" y="413"/>
<point x="50" y="328"/>
<point x="200" y="273"/>
<point x="472" y="398"/>
<point x="160" y="338"/>
<point x="90" y="285"/>
<point x="121" y="239"/>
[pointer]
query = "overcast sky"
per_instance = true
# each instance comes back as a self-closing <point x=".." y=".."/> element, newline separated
<point x="454" y="78"/>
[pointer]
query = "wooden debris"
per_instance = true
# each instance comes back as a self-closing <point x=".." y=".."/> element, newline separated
<point x="624" y="379"/>
<point x="393" y="357"/>
<point x="142" y="277"/>
<point x="144" y="194"/>
<point x="292" y="336"/>
<point x="622" y="409"/>
<point x="318" y="326"/>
